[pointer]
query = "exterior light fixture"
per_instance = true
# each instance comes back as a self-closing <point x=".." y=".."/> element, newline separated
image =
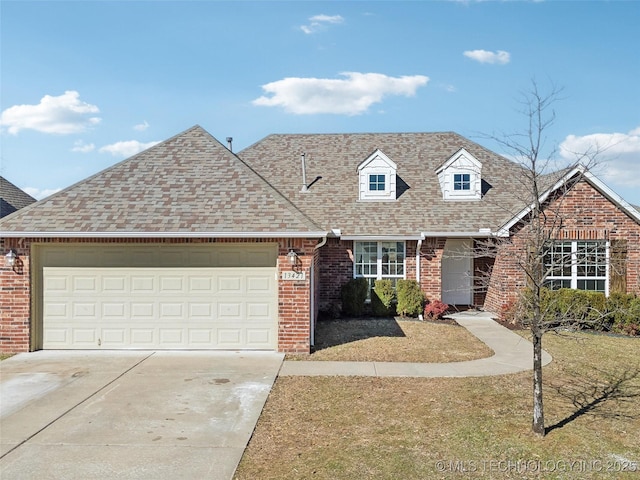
<point x="10" y="258"/>
<point x="292" y="257"/>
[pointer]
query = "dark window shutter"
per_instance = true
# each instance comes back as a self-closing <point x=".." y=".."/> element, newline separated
<point x="618" y="266"/>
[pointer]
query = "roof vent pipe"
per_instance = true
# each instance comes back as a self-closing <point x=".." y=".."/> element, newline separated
<point x="304" y="174"/>
<point x="229" y="143"/>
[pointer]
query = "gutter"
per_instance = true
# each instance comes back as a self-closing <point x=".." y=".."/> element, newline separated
<point x="481" y="233"/>
<point x="12" y="234"/>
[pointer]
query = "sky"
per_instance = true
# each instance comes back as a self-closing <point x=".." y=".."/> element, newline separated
<point x="86" y="84"/>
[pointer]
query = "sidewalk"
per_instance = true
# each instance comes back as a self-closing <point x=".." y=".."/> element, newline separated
<point x="512" y="354"/>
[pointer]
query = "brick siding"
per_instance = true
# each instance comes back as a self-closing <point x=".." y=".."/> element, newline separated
<point x="586" y="215"/>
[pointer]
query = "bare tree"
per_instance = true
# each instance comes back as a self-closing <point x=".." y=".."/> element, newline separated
<point x="540" y="221"/>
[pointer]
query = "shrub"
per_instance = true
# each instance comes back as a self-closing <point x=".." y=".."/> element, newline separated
<point x="434" y="310"/>
<point x="410" y="298"/>
<point x="582" y="309"/>
<point x="382" y="298"/>
<point x="626" y="316"/>
<point x="354" y="294"/>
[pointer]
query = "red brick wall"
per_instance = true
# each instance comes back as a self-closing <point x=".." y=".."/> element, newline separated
<point x="14" y="298"/>
<point x="293" y="303"/>
<point x="585" y="214"/>
<point x="294" y="299"/>
<point x="335" y="269"/>
<point x="431" y="267"/>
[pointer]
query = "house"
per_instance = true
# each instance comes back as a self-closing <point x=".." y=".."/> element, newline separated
<point x="190" y="246"/>
<point x="12" y="198"/>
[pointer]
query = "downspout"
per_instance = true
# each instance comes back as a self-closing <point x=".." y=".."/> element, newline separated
<point x="312" y="316"/>
<point x="418" y="249"/>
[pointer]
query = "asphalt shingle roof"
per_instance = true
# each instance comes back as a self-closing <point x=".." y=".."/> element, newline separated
<point x="12" y="198"/>
<point x="190" y="183"/>
<point x="332" y="200"/>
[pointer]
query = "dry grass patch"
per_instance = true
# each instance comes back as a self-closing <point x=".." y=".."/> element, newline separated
<point x="390" y="340"/>
<point x="405" y="428"/>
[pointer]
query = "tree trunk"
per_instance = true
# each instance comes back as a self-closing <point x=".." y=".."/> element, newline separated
<point x="538" y="410"/>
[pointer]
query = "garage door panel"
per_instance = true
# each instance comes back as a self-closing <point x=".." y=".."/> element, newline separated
<point x="114" y="311"/>
<point x="58" y="284"/>
<point x="142" y="284"/>
<point x="258" y="336"/>
<point x="85" y="284"/>
<point x="114" y="337"/>
<point x="228" y="284"/>
<point x="259" y="311"/>
<point x="84" y="337"/>
<point x="200" y="311"/>
<point x="159" y="308"/>
<point x="84" y="311"/>
<point x="114" y="284"/>
<point x="143" y="337"/>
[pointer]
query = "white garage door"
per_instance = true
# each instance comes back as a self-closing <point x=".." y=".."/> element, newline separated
<point x="159" y="308"/>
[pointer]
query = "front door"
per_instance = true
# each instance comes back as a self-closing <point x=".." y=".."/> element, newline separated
<point x="457" y="278"/>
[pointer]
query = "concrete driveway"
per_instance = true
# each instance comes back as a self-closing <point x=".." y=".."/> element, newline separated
<point x="130" y="414"/>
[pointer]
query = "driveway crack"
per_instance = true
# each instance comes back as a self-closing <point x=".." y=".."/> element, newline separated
<point x="66" y="412"/>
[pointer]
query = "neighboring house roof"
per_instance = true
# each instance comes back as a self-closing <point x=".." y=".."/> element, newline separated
<point x="332" y="198"/>
<point x="12" y="198"/>
<point x="189" y="185"/>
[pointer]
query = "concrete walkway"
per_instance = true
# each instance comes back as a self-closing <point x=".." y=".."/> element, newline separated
<point x="512" y="354"/>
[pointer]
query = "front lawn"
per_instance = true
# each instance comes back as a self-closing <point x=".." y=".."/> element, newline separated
<point x="391" y="340"/>
<point x="409" y="428"/>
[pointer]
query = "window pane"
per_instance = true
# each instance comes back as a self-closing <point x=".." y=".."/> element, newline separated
<point x="376" y="183"/>
<point x="366" y="258"/>
<point x="461" y="181"/>
<point x="392" y="259"/>
<point x="556" y="284"/>
<point x="592" y="285"/>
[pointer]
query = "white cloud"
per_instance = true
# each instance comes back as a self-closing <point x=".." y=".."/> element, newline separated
<point x="64" y="114"/>
<point x="141" y="127"/>
<point x="81" y="147"/>
<point x="39" y="194"/>
<point x="618" y="154"/>
<point x="483" y="56"/>
<point x="320" y="22"/>
<point x="126" y="148"/>
<point x="352" y="95"/>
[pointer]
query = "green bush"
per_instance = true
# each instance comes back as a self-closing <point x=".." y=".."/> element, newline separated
<point x="583" y="309"/>
<point x="410" y="298"/>
<point x="382" y="298"/>
<point x="354" y="294"/>
<point x="624" y="313"/>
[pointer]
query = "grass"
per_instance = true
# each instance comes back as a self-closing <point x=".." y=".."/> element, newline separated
<point x="4" y="356"/>
<point x="406" y="428"/>
<point x="391" y="340"/>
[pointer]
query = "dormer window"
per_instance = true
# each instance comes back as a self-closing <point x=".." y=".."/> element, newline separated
<point x="376" y="183"/>
<point x="462" y="181"/>
<point x="377" y="178"/>
<point x="460" y="177"/>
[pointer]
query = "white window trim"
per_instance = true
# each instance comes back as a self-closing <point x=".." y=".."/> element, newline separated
<point x="377" y="164"/>
<point x="462" y="162"/>
<point x="379" y="275"/>
<point x="387" y="181"/>
<point x="574" y="266"/>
